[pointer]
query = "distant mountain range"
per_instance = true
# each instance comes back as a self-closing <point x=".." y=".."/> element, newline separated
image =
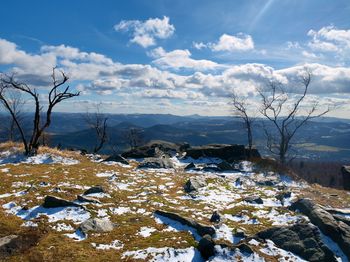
<point x="327" y="138"/>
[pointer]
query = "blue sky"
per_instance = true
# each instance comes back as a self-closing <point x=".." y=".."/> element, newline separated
<point x="179" y="57"/>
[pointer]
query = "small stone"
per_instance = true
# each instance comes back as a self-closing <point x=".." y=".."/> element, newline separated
<point x="96" y="225"/>
<point x="206" y="246"/>
<point x="215" y="217"/>
<point x="253" y="200"/>
<point x="94" y="189"/>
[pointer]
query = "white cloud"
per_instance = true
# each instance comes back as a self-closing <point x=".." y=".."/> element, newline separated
<point x="95" y="73"/>
<point x="230" y="43"/>
<point x="178" y="59"/>
<point x="199" y="45"/>
<point x="145" y="33"/>
<point x="329" y="39"/>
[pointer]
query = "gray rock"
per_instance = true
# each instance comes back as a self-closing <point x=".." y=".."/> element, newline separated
<point x="239" y="233"/>
<point x="346" y="177"/>
<point x="88" y="199"/>
<point x="283" y="195"/>
<point x="52" y="202"/>
<point x="253" y="199"/>
<point x="194" y="183"/>
<point x="201" y="230"/>
<point x="190" y="166"/>
<point x="94" y="189"/>
<point x="225" y="166"/>
<point x="215" y="217"/>
<point x="228" y="153"/>
<point x="96" y="225"/>
<point x="303" y="240"/>
<point x="338" y="231"/>
<point x="4" y="241"/>
<point x="152" y="162"/>
<point x="118" y="159"/>
<point x="206" y="246"/>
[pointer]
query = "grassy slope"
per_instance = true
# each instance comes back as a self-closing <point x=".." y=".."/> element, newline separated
<point x="144" y="185"/>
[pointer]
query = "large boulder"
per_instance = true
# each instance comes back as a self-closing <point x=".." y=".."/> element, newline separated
<point x="253" y="200"/>
<point x="152" y="162"/>
<point x="225" y="152"/>
<point x="337" y="230"/>
<point x="52" y="202"/>
<point x="117" y="158"/>
<point x="155" y="149"/>
<point x="346" y="177"/>
<point x="303" y="240"/>
<point x="98" y="225"/>
<point x="201" y="230"/>
<point x="194" y="183"/>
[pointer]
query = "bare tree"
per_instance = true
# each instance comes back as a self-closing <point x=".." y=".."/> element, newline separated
<point x="240" y="106"/>
<point x="287" y="112"/>
<point x="134" y="137"/>
<point x="55" y="96"/>
<point x="98" y="122"/>
<point x="16" y="102"/>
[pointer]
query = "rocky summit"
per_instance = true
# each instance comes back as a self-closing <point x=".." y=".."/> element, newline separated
<point x="165" y="203"/>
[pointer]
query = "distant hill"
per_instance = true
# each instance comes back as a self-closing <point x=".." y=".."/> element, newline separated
<point x="326" y="138"/>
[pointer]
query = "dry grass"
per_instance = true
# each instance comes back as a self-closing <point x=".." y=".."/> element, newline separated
<point x="143" y="185"/>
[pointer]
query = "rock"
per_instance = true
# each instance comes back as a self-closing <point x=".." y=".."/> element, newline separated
<point x="201" y="230"/>
<point x="346" y="177"/>
<point x="52" y="202"/>
<point x="338" y="231"/>
<point x="117" y="158"/>
<point x="239" y="233"/>
<point x="341" y="218"/>
<point x="238" y="182"/>
<point x="155" y="149"/>
<point x="5" y="241"/>
<point x="190" y="166"/>
<point x="228" y="153"/>
<point x="215" y="217"/>
<point x="152" y="162"/>
<point x="283" y="195"/>
<point x="225" y="166"/>
<point x="88" y="199"/>
<point x="243" y="247"/>
<point x="253" y="199"/>
<point x="211" y="168"/>
<point x="194" y="183"/>
<point x="94" y="189"/>
<point x="267" y="182"/>
<point x="303" y="240"/>
<point x="98" y="225"/>
<point x="206" y="247"/>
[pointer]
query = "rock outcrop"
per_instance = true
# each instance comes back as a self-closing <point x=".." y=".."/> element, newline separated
<point x="337" y="230"/>
<point x="153" y="162"/>
<point x="52" y="202"/>
<point x="228" y="153"/>
<point x="303" y="240"/>
<point x="201" y="230"/>
<point x="155" y="149"/>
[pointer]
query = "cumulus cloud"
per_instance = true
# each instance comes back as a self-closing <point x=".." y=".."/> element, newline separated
<point x="229" y="43"/>
<point x="145" y="33"/>
<point x="96" y="73"/>
<point x="329" y="39"/>
<point x="178" y="59"/>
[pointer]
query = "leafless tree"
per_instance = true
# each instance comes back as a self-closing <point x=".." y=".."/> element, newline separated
<point x="55" y="96"/>
<point x="98" y="122"/>
<point x="240" y="106"/>
<point x="134" y="137"/>
<point x="287" y="112"/>
<point x="16" y="102"/>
